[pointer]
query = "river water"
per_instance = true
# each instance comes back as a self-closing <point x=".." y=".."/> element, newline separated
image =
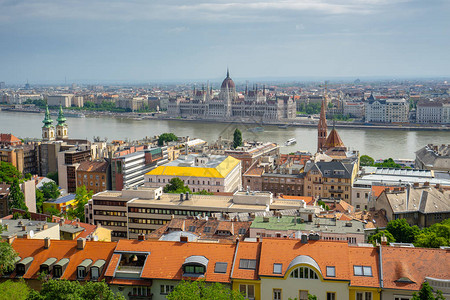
<point x="376" y="143"/>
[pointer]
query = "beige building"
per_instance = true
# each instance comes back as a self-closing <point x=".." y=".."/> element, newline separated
<point x="211" y="173"/>
<point x="329" y="179"/>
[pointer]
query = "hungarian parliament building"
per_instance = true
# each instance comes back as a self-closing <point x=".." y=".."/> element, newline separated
<point x="228" y="104"/>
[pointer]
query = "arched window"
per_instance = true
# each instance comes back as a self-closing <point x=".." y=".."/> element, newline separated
<point x="304" y="272"/>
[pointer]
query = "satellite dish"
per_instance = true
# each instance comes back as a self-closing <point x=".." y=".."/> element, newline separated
<point x="31" y="233"/>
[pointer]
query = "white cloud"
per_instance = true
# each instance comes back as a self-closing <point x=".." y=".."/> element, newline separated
<point x="190" y="10"/>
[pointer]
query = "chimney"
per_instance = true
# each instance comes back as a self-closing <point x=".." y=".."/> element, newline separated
<point x="438" y="186"/>
<point x="10" y="239"/>
<point x="181" y="196"/>
<point x="45" y="226"/>
<point x="81" y="243"/>
<point x="24" y="228"/>
<point x="141" y="237"/>
<point x="416" y="184"/>
<point x="187" y="195"/>
<point x="304" y="239"/>
<point x="383" y="240"/>
<point x="46" y="243"/>
<point x="426" y="184"/>
<point x="183" y="239"/>
<point x="6" y="227"/>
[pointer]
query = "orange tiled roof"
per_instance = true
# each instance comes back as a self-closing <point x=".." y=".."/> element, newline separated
<point x="323" y="252"/>
<point x="9" y="138"/>
<point x="413" y="264"/>
<point x="61" y="249"/>
<point x="247" y="250"/>
<point x="334" y="140"/>
<point x="377" y="190"/>
<point x="166" y="258"/>
<point x="308" y="200"/>
<point x="364" y="256"/>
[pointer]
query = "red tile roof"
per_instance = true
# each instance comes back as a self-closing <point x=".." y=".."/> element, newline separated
<point x="166" y="258"/>
<point x="62" y="249"/>
<point x="413" y="264"/>
<point x="8" y="138"/>
<point x="247" y="250"/>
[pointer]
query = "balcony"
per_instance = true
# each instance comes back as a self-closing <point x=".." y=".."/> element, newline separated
<point x="335" y="191"/>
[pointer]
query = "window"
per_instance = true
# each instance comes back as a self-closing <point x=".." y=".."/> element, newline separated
<point x="94" y="273"/>
<point x="248" y="290"/>
<point x="331" y="271"/>
<point x="166" y="289"/>
<point x="249" y="264"/>
<point x="362" y="270"/>
<point x="276" y="294"/>
<point x="402" y="297"/>
<point x="331" y="296"/>
<point x="304" y="272"/>
<point x="277" y="268"/>
<point x="303" y="295"/>
<point x="194" y="269"/>
<point x="363" y="296"/>
<point x="207" y="229"/>
<point x="81" y="273"/>
<point x="191" y="228"/>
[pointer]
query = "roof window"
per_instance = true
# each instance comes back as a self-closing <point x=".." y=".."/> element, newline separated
<point x="249" y="264"/>
<point x="277" y="268"/>
<point x="362" y="270"/>
<point x="220" y="267"/>
<point x="331" y="271"/>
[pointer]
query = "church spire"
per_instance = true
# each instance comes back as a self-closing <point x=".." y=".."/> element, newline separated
<point x="322" y="131"/>
<point x="61" y="119"/>
<point x="47" y="120"/>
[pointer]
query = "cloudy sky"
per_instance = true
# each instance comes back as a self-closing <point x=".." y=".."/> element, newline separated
<point x="46" y="41"/>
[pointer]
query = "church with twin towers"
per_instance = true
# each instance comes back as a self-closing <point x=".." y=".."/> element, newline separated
<point x="253" y="104"/>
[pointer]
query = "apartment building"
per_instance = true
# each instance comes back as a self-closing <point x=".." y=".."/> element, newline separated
<point x="68" y="163"/>
<point x="386" y="110"/>
<point x="251" y="152"/>
<point x="94" y="175"/>
<point x="128" y="170"/>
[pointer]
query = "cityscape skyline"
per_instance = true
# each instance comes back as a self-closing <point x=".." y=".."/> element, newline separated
<point x="50" y="42"/>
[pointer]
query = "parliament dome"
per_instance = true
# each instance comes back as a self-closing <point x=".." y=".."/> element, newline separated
<point x="228" y="82"/>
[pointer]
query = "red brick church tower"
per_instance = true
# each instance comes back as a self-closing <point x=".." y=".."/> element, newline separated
<point x="322" y="131"/>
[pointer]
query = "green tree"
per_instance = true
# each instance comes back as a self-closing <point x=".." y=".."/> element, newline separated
<point x="8" y="173"/>
<point x="64" y="289"/>
<point x="435" y="236"/>
<point x="176" y="185"/>
<point x="402" y="231"/>
<point x="366" y="160"/>
<point x="81" y="199"/>
<point x="53" y="176"/>
<point x="203" y="192"/>
<point x="376" y="237"/>
<point x="17" y="290"/>
<point x="7" y="258"/>
<point x="50" y="190"/>
<point x="388" y="163"/>
<point x="198" y="290"/>
<point x="39" y="200"/>
<point x="426" y="293"/>
<point x="166" y="137"/>
<point x="237" y="138"/>
<point x="52" y="211"/>
<point x="16" y="197"/>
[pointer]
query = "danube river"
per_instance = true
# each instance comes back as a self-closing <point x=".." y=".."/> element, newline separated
<point x="374" y="142"/>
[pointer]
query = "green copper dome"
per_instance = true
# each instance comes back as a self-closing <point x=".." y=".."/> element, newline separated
<point x="47" y="120"/>
<point x="61" y="119"/>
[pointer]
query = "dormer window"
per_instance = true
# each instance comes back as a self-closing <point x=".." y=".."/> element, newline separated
<point x="23" y="265"/>
<point x="60" y="267"/>
<point x="47" y="266"/>
<point x="83" y="268"/>
<point x="195" y="266"/>
<point x="97" y="269"/>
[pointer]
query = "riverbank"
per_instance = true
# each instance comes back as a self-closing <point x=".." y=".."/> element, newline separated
<point x="309" y="123"/>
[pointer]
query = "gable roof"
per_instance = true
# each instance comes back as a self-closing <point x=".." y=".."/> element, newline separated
<point x="59" y="250"/>
<point x="246" y="250"/>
